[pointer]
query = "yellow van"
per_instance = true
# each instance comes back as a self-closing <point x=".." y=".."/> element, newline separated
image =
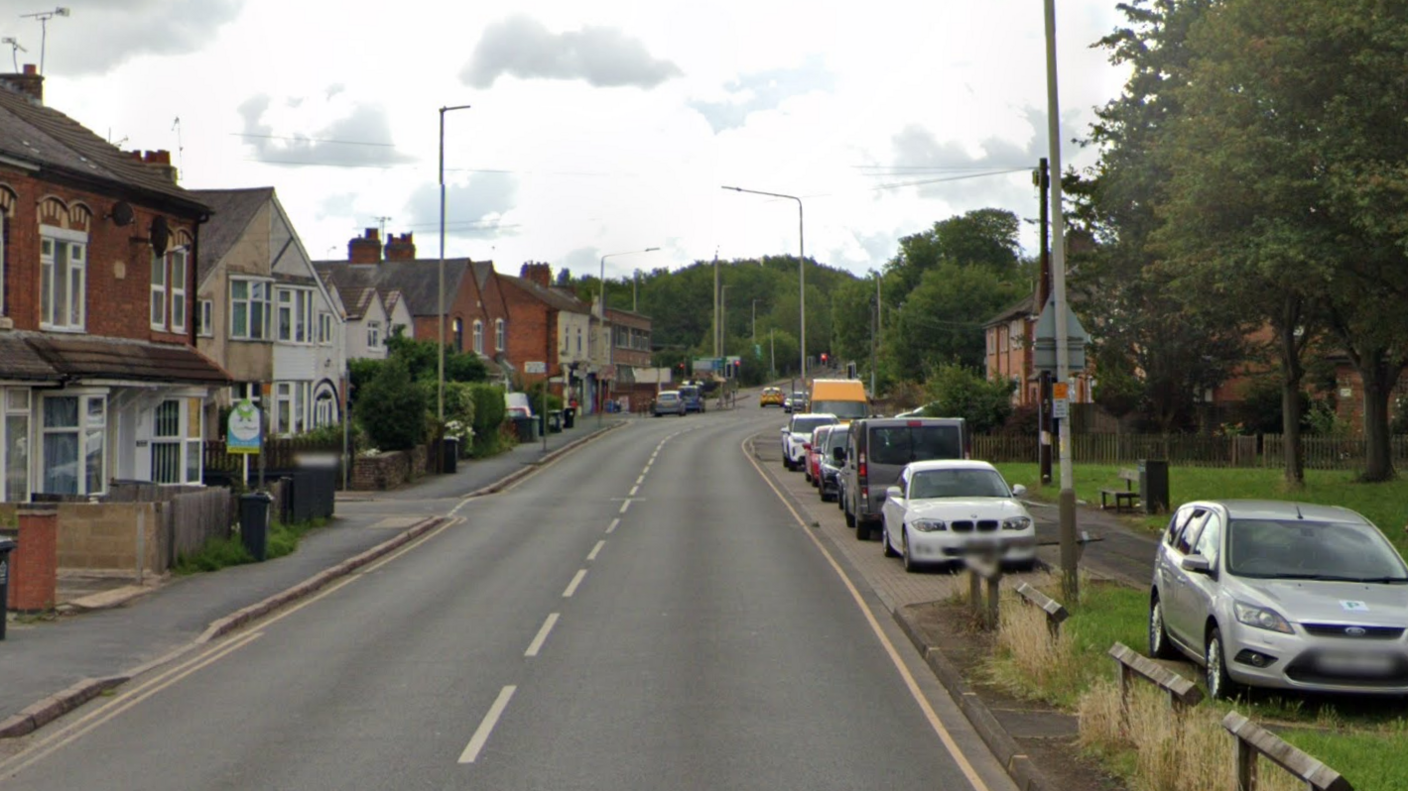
<point x="844" y="398"/>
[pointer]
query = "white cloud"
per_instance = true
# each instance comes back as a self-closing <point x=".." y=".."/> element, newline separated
<point x="523" y="47"/>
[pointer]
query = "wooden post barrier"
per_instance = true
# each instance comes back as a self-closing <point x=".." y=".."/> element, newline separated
<point x="1252" y="739"/>
<point x="980" y="568"/>
<point x="1056" y="614"/>
<point x="1182" y="693"/>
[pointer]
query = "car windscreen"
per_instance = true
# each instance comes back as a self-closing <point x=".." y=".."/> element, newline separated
<point x="689" y="392"/>
<point x="836" y="439"/>
<point x="1301" y="549"/>
<point x="903" y="444"/>
<point x="806" y="425"/>
<point x="957" y="483"/>
<point x="848" y="410"/>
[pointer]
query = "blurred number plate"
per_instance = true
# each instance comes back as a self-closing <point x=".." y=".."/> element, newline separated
<point x="1356" y="664"/>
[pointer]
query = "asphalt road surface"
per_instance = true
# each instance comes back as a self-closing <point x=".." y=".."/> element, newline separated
<point x="645" y="613"/>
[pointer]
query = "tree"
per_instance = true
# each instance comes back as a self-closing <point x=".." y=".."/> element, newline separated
<point x="941" y="320"/>
<point x="958" y="391"/>
<point x="392" y="408"/>
<point x="1291" y="162"/>
<point x="982" y="237"/>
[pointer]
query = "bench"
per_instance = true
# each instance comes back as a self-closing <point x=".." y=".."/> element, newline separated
<point x="1122" y="497"/>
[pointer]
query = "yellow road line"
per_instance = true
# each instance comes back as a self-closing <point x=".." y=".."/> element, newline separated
<point x="934" y="722"/>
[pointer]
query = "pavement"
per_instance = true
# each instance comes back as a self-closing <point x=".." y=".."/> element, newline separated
<point x="1031" y="740"/>
<point x="109" y="628"/>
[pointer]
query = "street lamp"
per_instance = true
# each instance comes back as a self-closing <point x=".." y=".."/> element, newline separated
<point x="801" y="271"/>
<point x="440" y="371"/>
<point x="602" y="314"/>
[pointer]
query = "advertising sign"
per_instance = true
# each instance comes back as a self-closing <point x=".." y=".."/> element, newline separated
<point x="245" y="434"/>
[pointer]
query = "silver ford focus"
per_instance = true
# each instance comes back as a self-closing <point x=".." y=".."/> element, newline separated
<point x="1280" y="594"/>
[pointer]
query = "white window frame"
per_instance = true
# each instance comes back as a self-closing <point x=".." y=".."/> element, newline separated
<point x="373" y="334"/>
<point x="84" y="427"/>
<point x="178" y="257"/>
<point x="297" y="305"/>
<point x="52" y="238"/>
<point x="291" y="407"/>
<point x="500" y="335"/>
<point x="15" y="412"/>
<point x="262" y="286"/>
<point x="4" y="225"/>
<point x="157" y="310"/>
<point x="205" y="319"/>
<point x="324" y="327"/>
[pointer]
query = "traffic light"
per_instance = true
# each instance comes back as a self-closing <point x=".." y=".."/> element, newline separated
<point x="823" y="358"/>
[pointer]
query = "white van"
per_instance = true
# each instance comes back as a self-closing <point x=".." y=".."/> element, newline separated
<point x="518" y="405"/>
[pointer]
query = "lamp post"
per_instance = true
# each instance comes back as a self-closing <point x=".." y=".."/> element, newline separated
<point x="440" y="371"/>
<point x="801" y="271"/>
<point x="601" y="310"/>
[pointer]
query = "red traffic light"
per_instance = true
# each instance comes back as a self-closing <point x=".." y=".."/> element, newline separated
<point x="823" y="356"/>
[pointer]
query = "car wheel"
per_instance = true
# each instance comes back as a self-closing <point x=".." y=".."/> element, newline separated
<point x="885" y="547"/>
<point x="850" y="518"/>
<point x="909" y="564"/>
<point x="1220" y="684"/>
<point x="862" y="530"/>
<point x="1159" y="647"/>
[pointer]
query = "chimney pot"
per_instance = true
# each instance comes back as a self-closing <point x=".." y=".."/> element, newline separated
<point x="30" y="68"/>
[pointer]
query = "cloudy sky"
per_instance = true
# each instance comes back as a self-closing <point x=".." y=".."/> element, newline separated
<point x="595" y="127"/>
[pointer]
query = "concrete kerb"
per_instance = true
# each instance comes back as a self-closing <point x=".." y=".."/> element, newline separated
<point x="1019" y="767"/>
<point x="54" y="706"/>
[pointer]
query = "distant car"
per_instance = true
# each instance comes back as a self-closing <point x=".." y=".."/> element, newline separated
<point x="813" y="468"/>
<point x="693" y="398"/>
<point x="669" y="403"/>
<point x="771" y="396"/>
<point x="797" y="433"/>
<point x="830" y="463"/>
<point x="1281" y="594"/>
<point x="941" y="511"/>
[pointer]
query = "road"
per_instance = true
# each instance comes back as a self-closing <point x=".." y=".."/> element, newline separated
<point x="643" y="613"/>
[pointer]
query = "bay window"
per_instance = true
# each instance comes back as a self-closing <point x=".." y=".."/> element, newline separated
<point x="249" y="309"/>
<point x="176" y="445"/>
<point x="14" y="451"/>
<point x="73" y="458"/>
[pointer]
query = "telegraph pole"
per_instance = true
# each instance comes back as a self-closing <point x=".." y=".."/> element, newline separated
<point x="1043" y="293"/>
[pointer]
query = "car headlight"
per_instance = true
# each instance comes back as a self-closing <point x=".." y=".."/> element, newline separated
<point x="1017" y="523"/>
<point x="929" y="525"/>
<point x="1261" y="618"/>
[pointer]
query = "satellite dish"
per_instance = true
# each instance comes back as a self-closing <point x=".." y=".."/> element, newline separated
<point x="122" y="214"/>
<point x="160" y="234"/>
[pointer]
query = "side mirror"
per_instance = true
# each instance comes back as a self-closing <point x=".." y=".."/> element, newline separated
<point x="1197" y="564"/>
<point x="839" y="455"/>
<point x="1018" y="490"/>
<point x="893" y="493"/>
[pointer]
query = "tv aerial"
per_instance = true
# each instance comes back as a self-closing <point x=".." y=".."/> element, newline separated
<point x="15" y="50"/>
<point x="44" y="17"/>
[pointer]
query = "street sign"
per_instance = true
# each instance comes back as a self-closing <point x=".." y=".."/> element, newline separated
<point x="1061" y="409"/>
<point x="535" y="367"/>
<point x="1044" y="356"/>
<point x="244" y="434"/>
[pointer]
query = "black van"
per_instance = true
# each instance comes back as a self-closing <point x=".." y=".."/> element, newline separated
<point x="877" y="449"/>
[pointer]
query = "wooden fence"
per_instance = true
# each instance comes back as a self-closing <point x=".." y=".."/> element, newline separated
<point x="279" y="453"/>
<point x="1192" y="450"/>
<point x="193" y="518"/>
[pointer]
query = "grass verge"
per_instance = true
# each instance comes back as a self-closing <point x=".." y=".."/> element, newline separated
<point x="1365" y="739"/>
<point x="219" y="553"/>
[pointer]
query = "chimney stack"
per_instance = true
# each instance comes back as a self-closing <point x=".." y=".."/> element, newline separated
<point x="160" y="161"/>
<point x="30" y="83"/>
<point x="401" y="248"/>
<point x="537" y="273"/>
<point x="365" y="249"/>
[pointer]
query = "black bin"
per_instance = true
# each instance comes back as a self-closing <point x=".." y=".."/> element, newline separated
<point x="254" y="523"/>
<point x="449" y="454"/>
<point x="569" y="417"/>
<point x="7" y="545"/>
<point x="1153" y="485"/>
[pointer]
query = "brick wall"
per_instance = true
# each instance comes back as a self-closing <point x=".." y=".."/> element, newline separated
<point x="389" y="470"/>
<point x="533" y="330"/>
<point x="34" y="565"/>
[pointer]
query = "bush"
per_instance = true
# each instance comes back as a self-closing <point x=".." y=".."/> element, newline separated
<point x="392" y="409"/>
<point x="962" y="392"/>
<point x="488" y="415"/>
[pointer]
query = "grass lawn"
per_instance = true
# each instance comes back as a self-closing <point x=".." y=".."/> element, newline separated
<point x="1385" y="504"/>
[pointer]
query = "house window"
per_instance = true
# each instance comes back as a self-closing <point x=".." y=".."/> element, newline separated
<point x="459" y="335"/>
<point x="325" y="409"/>
<point x="324" y="327"/>
<point x="291" y="407"/>
<point x="178" y="260"/>
<point x="72" y="451"/>
<point x="373" y="334"/>
<point x="295" y="314"/>
<point x="478" y="336"/>
<point x="249" y="309"/>
<point x="62" y="282"/>
<point x="500" y="336"/>
<point x="14" y="452"/>
<point x="176" y="442"/>
<point x="4" y="246"/>
<point x="158" y="313"/>
<point x="579" y="341"/>
<point x="205" y="318"/>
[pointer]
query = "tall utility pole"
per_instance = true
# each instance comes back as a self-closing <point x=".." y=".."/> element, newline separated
<point x="875" y="336"/>
<point x="1070" y="580"/>
<point x="440" y="309"/>
<point x="717" y="343"/>
<point x="801" y="271"/>
<point x="772" y="354"/>
<point x="1043" y="292"/>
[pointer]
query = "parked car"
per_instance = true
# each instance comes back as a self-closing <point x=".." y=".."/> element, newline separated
<point x="797" y="433"/>
<point x="517" y="405"/>
<point x="942" y="511"/>
<point x="693" y="398"/>
<point x="668" y="402"/>
<point x="1281" y="594"/>
<point x="813" y="468"/>
<point x="795" y="402"/>
<point x="831" y="462"/>
<point x="771" y="396"/>
<point x="877" y="450"/>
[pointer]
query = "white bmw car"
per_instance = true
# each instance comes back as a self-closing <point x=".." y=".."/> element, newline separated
<point x="943" y="510"/>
